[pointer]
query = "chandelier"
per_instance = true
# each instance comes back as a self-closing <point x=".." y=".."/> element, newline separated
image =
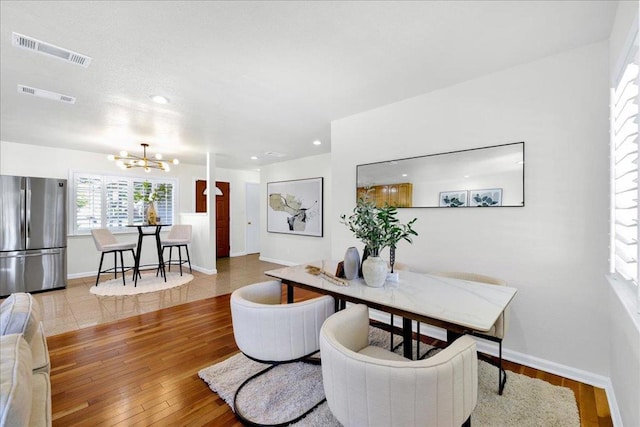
<point x="128" y="161"/>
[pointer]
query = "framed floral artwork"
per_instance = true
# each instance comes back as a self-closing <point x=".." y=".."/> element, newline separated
<point x="295" y="207"/>
<point x="453" y="199"/>
<point x="485" y="197"/>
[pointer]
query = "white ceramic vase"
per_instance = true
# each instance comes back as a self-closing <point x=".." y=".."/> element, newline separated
<point x="374" y="270"/>
<point x="351" y="263"/>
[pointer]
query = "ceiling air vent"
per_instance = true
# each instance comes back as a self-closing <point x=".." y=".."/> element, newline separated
<point x="35" y="45"/>
<point x="41" y="93"/>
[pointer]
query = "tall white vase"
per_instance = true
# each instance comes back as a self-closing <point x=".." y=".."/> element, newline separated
<point x="351" y="263"/>
<point x="374" y="270"/>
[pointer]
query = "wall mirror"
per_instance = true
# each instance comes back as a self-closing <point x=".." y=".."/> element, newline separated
<point x="479" y="177"/>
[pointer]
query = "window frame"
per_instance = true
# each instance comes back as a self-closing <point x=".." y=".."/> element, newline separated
<point x="105" y="178"/>
<point x="630" y="55"/>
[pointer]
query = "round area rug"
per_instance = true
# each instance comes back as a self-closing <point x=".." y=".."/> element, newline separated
<point x="148" y="283"/>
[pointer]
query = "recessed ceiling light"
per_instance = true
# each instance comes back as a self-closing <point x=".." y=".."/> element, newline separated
<point x="159" y="99"/>
<point x="254" y="158"/>
<point x="404" y="174"/>
<point x="317" y="142"/>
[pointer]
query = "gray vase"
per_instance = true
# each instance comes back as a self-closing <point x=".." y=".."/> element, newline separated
<point x="351" y="263"/>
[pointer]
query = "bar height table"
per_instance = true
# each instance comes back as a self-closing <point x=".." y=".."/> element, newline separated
<point x="142" y="233"/>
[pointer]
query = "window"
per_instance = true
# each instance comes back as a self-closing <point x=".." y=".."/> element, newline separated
<point x="106" y="201"/>
<point x="624" y="169"/>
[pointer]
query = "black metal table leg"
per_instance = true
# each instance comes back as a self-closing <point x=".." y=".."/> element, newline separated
<point x="159" y="248"/>
<point x="289" y="294"/>
<point x="136" y="268"/>
<point x="406" y="338"/>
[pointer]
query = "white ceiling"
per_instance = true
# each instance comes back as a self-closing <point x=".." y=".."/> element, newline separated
<point x="246" y="78"/>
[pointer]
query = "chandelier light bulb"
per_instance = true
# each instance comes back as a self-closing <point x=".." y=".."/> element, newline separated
<point x="126" y="160"/>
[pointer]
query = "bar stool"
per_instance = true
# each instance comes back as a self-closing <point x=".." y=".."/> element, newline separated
<point x="179" y="236"/>
<point x="106" y="243"/>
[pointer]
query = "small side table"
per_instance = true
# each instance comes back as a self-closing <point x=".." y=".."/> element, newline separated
<point x="141" y="233"/>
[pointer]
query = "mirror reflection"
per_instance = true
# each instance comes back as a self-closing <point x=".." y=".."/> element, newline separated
<point x="480" y="177"/>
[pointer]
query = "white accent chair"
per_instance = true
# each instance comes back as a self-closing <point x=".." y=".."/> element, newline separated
<point x="499" y="329"/>
<point x="371" y="386"/>
<point x="179" y="237"/>
<point x="106" y="243"/>
<point x="270" y="332"/>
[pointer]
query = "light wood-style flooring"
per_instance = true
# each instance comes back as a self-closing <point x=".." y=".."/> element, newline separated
<point x="142" y="370"/>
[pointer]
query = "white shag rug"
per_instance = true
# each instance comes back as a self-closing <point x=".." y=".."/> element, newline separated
<point x="525" y="402"/>
<point x="148" y="283"/>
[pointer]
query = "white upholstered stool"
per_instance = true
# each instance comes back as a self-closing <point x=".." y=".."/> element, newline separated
<point x="106" y="243"/>
<point x="179" y="237"/>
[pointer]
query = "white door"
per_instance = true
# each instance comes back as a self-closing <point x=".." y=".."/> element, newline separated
<point x="253" y="218"/>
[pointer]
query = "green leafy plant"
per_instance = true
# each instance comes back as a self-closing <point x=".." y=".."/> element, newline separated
<point x="377" y="228"/>
<point x="148" y="193"/>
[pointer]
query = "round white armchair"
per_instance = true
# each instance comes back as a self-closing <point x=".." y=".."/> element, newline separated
<point x="270" y="332"/>
<point x="371" y="386"/>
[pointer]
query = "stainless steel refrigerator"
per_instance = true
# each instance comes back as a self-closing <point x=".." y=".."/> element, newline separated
<point x="33" y="234"/>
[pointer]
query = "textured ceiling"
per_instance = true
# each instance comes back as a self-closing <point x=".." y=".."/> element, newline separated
<point x="247" y="78"/>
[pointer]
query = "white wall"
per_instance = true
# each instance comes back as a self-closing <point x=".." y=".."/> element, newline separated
<point x="82" y="258"/>
<point x="237" y="206"/>
<point x="554" y="250"/>
<point x="288" y="248"/>
<point x="624" y="336"/>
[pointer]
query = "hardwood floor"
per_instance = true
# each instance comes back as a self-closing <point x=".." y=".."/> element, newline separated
<point x="142" y="370"/>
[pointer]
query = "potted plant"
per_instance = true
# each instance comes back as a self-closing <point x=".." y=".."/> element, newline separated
<point x="148" y="195"/>
<point x="377" y="228"/>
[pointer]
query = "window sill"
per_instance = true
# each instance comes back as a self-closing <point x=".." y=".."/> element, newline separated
<point x="627" y="294"/>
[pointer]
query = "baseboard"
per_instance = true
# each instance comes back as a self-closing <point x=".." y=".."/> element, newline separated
<point x="488" y="347"/>
<point x="205" y="270"/>
<point x="278" y="261"/>
<point x="81" y="275"/>
<point x="235" y="254"/>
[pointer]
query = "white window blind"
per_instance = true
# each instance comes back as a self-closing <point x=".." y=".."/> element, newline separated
<point x="88" y="202"/>
<point x="117" y="206"/>
<point x="624" y="147"/>
<point x="164" y="206"/>
<point x="113" y="201"/>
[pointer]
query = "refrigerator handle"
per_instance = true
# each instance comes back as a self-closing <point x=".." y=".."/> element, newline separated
<point x="28" y="213"/>
<point x="22" y="214"/>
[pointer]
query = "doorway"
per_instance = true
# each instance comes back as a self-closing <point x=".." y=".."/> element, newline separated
<point x="223" y="217"/>
<point x="253" y="218"/>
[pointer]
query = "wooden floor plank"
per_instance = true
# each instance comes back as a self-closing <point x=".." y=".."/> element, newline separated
<point x="143" y="370"/>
